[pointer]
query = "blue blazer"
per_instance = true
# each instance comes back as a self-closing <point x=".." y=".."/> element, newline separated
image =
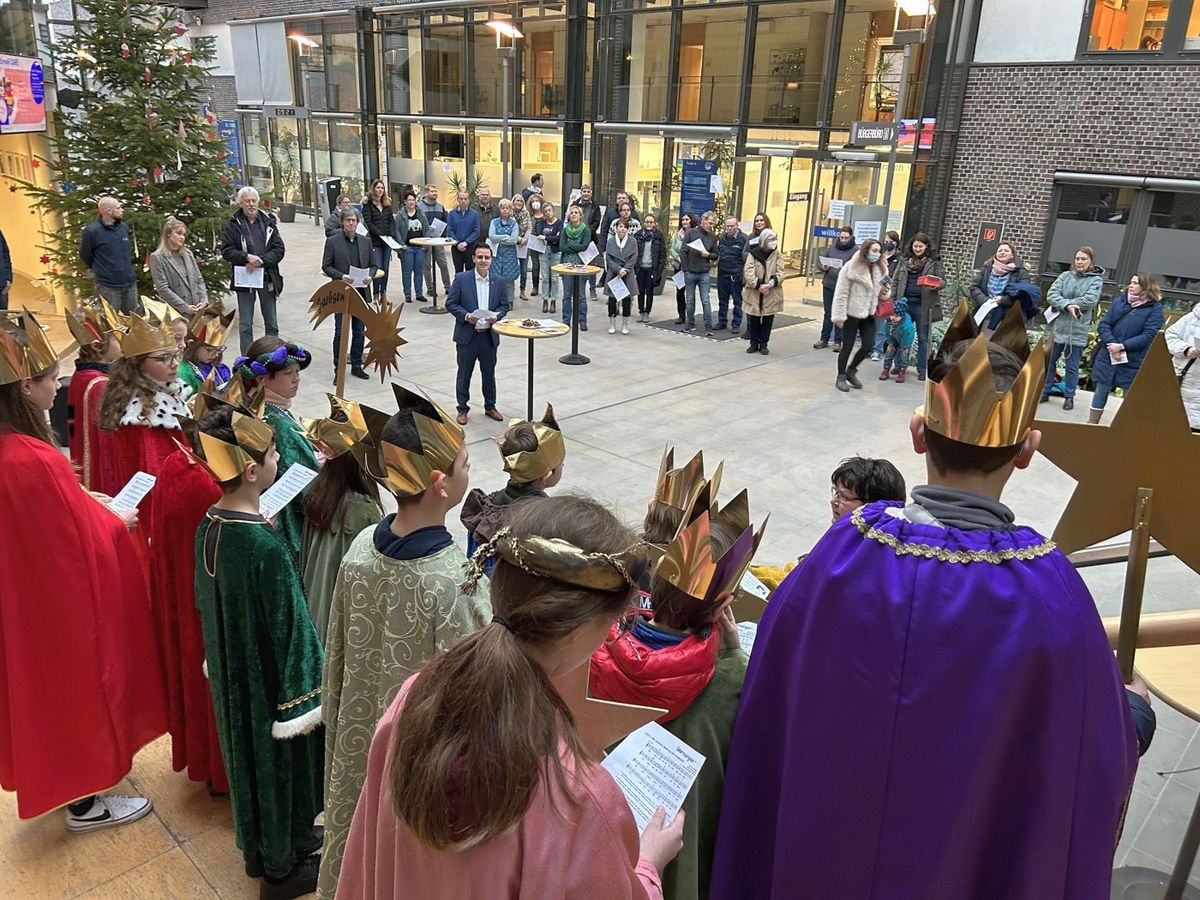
<point x="463" y="300"/>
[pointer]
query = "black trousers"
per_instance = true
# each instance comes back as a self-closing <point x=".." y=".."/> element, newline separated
<point x="463" y="259"/>
<point x="479" y="350"/>
<point x="645" y="283"/>
<point x="758" y="330"/>
<point x="680" y="300"/>
<point x="852" y="328"/>
<point x="626" y="306"/>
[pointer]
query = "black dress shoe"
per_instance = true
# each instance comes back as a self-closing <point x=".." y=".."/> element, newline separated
<point x="1069" y="404"/>
<point x="1045" y="398"/>
<point x="679" y="321"/>
<point x="358" y="372"/>
<point x="300" y="881"/>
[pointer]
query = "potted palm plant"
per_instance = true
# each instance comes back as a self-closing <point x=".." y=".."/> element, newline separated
<point x="284" y="154"/>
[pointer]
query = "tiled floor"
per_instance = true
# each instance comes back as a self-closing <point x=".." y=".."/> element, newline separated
<point x="777" y="422"/>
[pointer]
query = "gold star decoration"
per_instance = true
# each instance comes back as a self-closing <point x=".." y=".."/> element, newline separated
<point x="601" y="723"/>
<point x="1148" y="445"/>
<point x="384" y="340"/>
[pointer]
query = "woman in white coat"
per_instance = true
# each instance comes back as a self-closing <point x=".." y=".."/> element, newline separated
<point x="1183" y="340"/>
<point x="860" y="286"/>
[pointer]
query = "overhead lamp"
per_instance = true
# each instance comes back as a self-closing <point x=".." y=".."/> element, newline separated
<point x="504" y="27"/>
<point x="916" y="7"/>
<point x="855" y="156"/>
<point x="303" y="40"/>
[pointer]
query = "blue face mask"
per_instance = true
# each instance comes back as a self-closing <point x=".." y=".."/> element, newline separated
<point x="873" y="256"/>
<point x="889" y="246"/>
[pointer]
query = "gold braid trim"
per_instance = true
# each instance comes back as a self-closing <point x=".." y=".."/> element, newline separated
<point x="995" y="557"/>
<point x="301" y="699"/>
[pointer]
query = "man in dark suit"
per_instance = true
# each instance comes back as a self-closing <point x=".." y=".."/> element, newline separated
<point x="344" y="249"/>
<point x="473" y="334"/>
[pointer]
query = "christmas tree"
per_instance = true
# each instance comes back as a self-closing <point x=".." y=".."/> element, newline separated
<point x="141" y="134"/>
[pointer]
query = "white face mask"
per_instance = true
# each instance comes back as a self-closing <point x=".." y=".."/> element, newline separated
<point x="873" y="256"/>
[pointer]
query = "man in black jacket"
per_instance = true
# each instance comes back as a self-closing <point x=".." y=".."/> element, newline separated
<point x="345" y="250"/>
<point x="251" y="242"/>
<point x="104" y="248"/>
<point x="696" y="266"/>
<point x="591" y="218"/>
<point x="731" y="256"/>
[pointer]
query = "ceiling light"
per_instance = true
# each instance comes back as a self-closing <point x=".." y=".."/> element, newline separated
<point x="303" y="40"/>
<point x="505" y="27"/>
<point x="916" y="7"/>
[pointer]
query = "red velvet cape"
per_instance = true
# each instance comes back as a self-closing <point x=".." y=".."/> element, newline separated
<point x="80" y="684"/>
<point x="90" y="447"/>
<point x="185" y="492"/>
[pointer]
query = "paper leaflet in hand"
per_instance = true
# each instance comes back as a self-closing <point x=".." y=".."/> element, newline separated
<point x="536" y="244"/>
<point x="359" y="276"/>
<point x="361" y="229"/>
<point x="679" y="279"/>
<point x="653" y="768"/>
<point x="131" y="495"/>
<point x="620" y="290"/>
<point x="284" y="490"/>
<point x="244" y="277"/>
<point x="522" y="251"/>
<point x="589" y="254"/>
<point x="697" y="245"/>
<point x="1051" y="314"/>
<point x="747" y="632"/>
<point x="493" y="245"/>
<point x="830" y="262"/>
<point x="984" y="308"/>
<point x="391" y="242"/>
<point x="437" y="228"/>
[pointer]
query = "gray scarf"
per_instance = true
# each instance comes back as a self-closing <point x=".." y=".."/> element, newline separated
<point x="954" y="508"/>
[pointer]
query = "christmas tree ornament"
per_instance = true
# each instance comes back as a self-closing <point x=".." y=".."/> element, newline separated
<point x="146" y="75"/>
<point x="187" y="59"/>
<point x="181" y="131"/>
<point x="12" y="188"/>
<point x="187" y="200"/>
<point x="124" y="48"/>
<point x="180" y="28"/>
<point x="159" y="176"/>
<point x="68" y="187"/>
<point x="145" y="199"/>
<point x="134" y="181"/>
<point x="36" y="163"/>
<point x="45" y="259"/>
<point x="224" y="180"/>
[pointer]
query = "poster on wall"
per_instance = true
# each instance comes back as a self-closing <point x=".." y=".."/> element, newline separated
<point x="22" y="95"/>
<point x="988" y="239"/>
<point x="229" y="133"/>
<point x="695" y="194"/>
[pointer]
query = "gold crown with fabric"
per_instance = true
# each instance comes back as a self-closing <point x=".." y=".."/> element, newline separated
<point x="253" y="435"/>
<point x="678" y="487"/>
<point x="689" y="562"/>
<point x="211" y="325"/>
<point x="17" y="361"/>
<point x="961" y="400"/>
<point x="93" y="322"/>
<point x="529" y="465"/>
<point x="145" y="335"/>
<point x="560" y="561"/>
<point x="401" y="471"/>
<point x="338" y="432"/>
<point x="159" y="312"/>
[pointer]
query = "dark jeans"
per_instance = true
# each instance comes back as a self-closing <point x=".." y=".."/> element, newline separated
<point x="729" y="286"/>
<point x="850" y="332"/>
<point x="3" y="299"/>
<point x="358" y="331"/>
<point x="626" y="306"/>
<point x="758" y="330"/>
<point x="827" y="326"/>
<point x="266" y="301"/>
<point x="462" y="258"/>
<point x="921" y="344"/>
<point x="680" y="299"/>
<point x="382" y="257"/>
<point x="645" y="283"/>
<point x="1071" y="357"/>
<point x="479" y="350"/>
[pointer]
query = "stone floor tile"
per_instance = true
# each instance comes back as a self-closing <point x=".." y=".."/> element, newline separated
<point x="169" y="875"/>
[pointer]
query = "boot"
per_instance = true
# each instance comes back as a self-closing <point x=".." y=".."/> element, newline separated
<point x="1094" y="416"/>
<point x="612" y="324"/>
<point x="554" y="308"/>
<point x="900" y="375"/>
<point x="886" y="373"/>
<point x="545" y="306"/>
<point x="625" y="325"/>
<point x="1069" y="404"/>
<point x="842" y="385"/>
<point x="852" y="377"/>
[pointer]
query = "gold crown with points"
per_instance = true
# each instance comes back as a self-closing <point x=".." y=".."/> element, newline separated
<point x="17" y="361"/>
<point x="159" y="312"/>
<point x="401" y="471"/>
<point x="232" y="393"/>
<point x="529" y="465"/>
<point x="678" y="487"/>
<point x="211" y="325"/>
<point x="225" y="461"/>
<point x="689" y="562"/>
<point x="961" y="400"/>
<point x="93" y="322"/>
<point x="338" y="432"/>
<point x="144" y="336"/>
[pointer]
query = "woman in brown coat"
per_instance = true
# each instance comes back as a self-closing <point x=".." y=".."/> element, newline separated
<point x="762" y="291"/>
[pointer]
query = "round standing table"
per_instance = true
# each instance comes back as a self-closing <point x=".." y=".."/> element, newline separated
<point x="517" y="328"/>
<point x="576" y="271"/>
<point x="429" y="243"/>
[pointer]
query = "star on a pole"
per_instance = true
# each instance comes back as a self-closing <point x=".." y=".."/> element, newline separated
<point x="1148" y="445"/>
<point x="601" y="723"/>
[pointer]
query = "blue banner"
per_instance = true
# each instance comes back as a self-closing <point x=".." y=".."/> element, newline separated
<point x="695" y="194"/>
<point x="826" y="231"/>
<point x="229" y="132"/>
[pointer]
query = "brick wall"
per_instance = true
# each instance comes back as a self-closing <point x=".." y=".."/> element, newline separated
<point x="223" y="92"/>
<point x="1023" y="123"/>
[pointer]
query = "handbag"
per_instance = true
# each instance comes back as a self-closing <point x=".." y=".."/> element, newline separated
<point x="886" y="307"/>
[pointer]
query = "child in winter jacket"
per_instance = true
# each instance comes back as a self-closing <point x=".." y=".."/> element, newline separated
<point x="901" y="332"/>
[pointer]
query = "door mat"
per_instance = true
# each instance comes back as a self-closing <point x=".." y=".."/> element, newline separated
<point x="781" y="321"/>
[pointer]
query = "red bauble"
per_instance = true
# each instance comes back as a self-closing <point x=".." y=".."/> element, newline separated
<point x="187" y="200"/>
<point x="124" y="49"/>
<point x="187" y="59"/>
<point x="266" y="204"/>
<point x="220" y="154"/>
<point x="54" y="271"/>
<point x="45" y="259"/>
<point x="224" y="180"/>
<point x="146" y="74"/>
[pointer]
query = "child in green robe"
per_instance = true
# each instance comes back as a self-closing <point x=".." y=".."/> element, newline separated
<point x="262" y="658"/>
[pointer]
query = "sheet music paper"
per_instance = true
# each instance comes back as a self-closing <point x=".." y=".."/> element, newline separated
<point x="680" y="280"/>
<point x="285" y="490"/>
<point x="620" y="290"/>
<point x="244" y="277"/>
<point x="437" y="228"/>
<point x="747" y="632"/>
<point x="131" y="495"/>
<point x="391" y="242"/>
<point x="653" y="768"/>
<point x="589" y="254"/>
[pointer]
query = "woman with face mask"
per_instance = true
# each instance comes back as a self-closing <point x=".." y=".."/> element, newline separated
<point x="860" y="286"/>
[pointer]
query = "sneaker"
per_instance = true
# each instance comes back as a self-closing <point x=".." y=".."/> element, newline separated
<point x="1068" y="404"/>
<point x="763" y="350"/>
<point x="679" y="321"/>
<point x="1045" y="398"/>
<point x="920" y="376"/>
<point x="300" y="881"/>
<point x="583" y="326"/>
<point x="753" y="348"/>
<point x="592" y="295"/>
<point x="612" y="326"/>
<point x="852" y="377"/>
<point x="109" y="811"/>
<point x="708" y="332"/>
<point x="836" y="348"/>
<point x="624" y="326"/>
<point x="720" y="326"/>
<point x="358" y="372"/>
<point x="820" y="345"/>
<point x="690" y="328"/>
<point x="533" y="293"/>
<point x="735" y="330"/>
<point x="842" y="385"/>
<point x="421" y="299"/>
<point x="876" y="357"/>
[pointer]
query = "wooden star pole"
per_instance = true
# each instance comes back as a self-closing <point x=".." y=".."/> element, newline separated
<point x="380" y="323"/>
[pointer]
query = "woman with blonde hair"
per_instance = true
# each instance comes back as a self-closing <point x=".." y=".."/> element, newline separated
<point x="177" y="278"/>
<point x="380" y="222"/>
<point x="521" y="214"/>
<point x="860" y="287"/>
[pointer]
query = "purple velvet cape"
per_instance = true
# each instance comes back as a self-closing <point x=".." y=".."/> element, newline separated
<point x="918" y="728"/>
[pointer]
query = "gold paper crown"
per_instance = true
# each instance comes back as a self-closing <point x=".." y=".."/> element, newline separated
<point x="338" y="432"/>
<point x="159" y="312"/>
<point x="211" y="325"/>
<point x="961" y="400"/>
<point x="689" y="562"/>
<point x="145" y="337"/>
<point x="93" y="322"/>
<point x="560" y="560"/>
<point x="232" y="393"/>
<point x="16" y="361"/>
<point x="401" y="471"/>
<point x="678" y="487"/>
<point x="226" y="461"/>
<point x="529" y="465"/>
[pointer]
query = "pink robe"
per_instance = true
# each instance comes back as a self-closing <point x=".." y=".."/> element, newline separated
<point x="556" y="851"/>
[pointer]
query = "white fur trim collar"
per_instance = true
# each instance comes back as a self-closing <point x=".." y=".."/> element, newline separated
<point x="166" y="406"/>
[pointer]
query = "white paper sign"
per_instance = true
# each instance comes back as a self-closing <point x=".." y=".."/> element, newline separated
<point x="493" y="245"/>
<point x="359" y="276"/>
<point x="653" y="768"/>
<point x="589" y="254"/>
<point x="747" y="632"/>
<point x="984" y="308"/>
<point x="284" y="490"/>
<point x="576" y="193"/>
<point x="620" y="290"/>
<point x="131" y="495"/>
<point x="866" y="231"/>
<point x="522" y="251"/>
<point x="484" y="319"/>
<point x="547" y="323"/>
<point x="747" y="226"/>
<point x="361" y="229"/>
<point x="536" y="244"/>
<point x="1052" y="314"/>
<point x="680" y="280"/>
<point x="244" y="277"/>
<point x="697" y="245"/>
<point x="831" y="262"/>
<point x="895" y="219"/>
<point x="391" y="242"/>
<point x="437" y="228"/>
<point x="839" y="209"/>
<point x="716" y="185"/>
<point x="751" y="584"/>
<point x="446" y="167"/>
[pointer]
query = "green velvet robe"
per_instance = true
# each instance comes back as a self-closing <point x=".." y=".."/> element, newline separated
<point x="388" y="617"/>
<point x="263" y="663"/>
<point x="707" y="726"/>
<point x="293" y="447"/>
<point x="321" y="555"/>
